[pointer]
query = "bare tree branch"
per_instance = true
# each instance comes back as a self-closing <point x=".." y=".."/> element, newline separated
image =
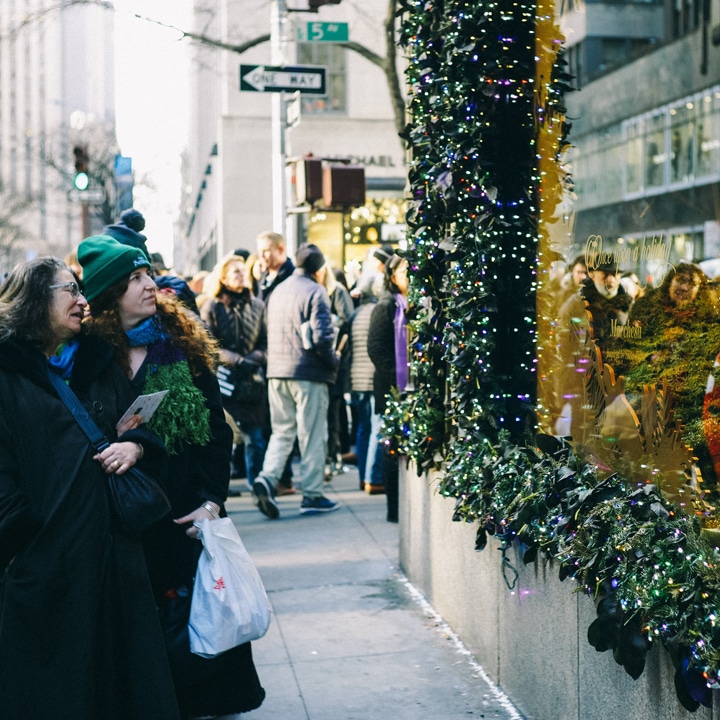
<point x="212" y="42"/>
<point x="388" y="63"/>
<point x="33" y="17"/>
<point x="397" y="95"/>
<point x="368" y="54"/>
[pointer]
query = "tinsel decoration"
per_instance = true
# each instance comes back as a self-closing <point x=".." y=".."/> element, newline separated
<point x="486" y="133"/>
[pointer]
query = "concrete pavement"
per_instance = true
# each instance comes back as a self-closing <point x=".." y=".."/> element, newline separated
<point x="351" y="638"/>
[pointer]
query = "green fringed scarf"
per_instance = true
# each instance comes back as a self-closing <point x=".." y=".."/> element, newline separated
<point x="183" y="418"/>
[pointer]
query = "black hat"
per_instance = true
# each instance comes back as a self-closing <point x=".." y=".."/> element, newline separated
<point x="310" y="258"/>
<point x="384" y="253"/>
<point x="158" y="262"/>
<point x="181" y="289"/>
<point x="607" y="268"/>
<point x="133" y="219"/>
<point x="126" y="231"/>
<point x="242" y="253"/>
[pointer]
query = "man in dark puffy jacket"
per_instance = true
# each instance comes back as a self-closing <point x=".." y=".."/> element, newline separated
<point x="302" y="362"/>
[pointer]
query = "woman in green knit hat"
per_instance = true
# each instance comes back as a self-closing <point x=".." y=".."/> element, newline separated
<point x="161" y="346"/>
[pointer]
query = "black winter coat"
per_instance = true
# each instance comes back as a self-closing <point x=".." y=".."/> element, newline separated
<point x="79" y="633"/>
<point x="227" y="684"/>
<point x="381" y="349"/>
<point x="241" y="327"/>
<point x="342" y="308"/>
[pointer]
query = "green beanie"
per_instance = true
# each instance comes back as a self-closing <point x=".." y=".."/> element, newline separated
<point x="105" y="262"/>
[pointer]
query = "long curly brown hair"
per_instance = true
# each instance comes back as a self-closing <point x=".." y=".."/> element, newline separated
<point x="185" y="330"/>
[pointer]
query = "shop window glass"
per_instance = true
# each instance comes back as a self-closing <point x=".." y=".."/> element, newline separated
<point x="633" y="162"/>
<point x="655" y="154"/>
<point x="682" y="142"/>
<point x="610" y="166"/>
<point x="708" y="135"/>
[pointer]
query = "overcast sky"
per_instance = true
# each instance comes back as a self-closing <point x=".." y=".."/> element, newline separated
<point x="152" y="107"/>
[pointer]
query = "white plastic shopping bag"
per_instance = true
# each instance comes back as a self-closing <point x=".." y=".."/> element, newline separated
<point x="229" y="605"/>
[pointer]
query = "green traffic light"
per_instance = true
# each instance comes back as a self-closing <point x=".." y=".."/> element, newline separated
<point x="81" y="181"/>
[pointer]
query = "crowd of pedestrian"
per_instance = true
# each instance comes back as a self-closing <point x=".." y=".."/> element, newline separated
<point x="270" y="366"/>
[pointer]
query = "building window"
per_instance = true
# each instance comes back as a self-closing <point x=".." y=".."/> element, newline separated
<point x="671" y="148"/>
<point x="655" y="154"/>
<point x="682" y="142"/>
<point x="331" y="57"/>
<point x="708" y="135"/>
<point x="633" y="159"/>
<point x="686" y="17"/>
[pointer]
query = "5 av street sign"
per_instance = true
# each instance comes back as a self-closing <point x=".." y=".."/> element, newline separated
<point x="262" y="78"/>
<point x="324" y="32"/>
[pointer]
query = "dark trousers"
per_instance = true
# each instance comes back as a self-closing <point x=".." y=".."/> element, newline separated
<point x="389" y="464"/>
<point x="363" y="406"/>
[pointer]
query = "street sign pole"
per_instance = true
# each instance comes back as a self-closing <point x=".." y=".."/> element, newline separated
<point x="278" y="41"/>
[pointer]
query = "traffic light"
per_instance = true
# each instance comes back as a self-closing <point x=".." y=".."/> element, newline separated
<point x="315" y="4"/>
<point x="343" y="185"/>
<point x="81" y="180"/>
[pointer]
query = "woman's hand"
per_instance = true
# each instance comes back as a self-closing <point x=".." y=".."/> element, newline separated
<point x="119" y="457"/>
<point x="201" y="513"/>
<point x="230" y="358"/>
<point x="130" y="423"/>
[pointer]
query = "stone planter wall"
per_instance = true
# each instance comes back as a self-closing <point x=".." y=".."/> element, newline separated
<point x="532" y="641"/>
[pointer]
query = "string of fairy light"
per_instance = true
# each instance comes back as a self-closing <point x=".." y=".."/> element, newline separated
<point x="472" y="229"/>
<point x="486" y="133"/>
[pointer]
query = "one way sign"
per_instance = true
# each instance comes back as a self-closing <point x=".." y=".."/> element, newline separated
<point x="304" y="79"/>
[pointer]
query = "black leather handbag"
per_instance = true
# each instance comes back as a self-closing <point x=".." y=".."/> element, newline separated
<point x="137" y="499"/>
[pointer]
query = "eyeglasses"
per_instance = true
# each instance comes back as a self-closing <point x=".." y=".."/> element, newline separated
<point x="72" y="287"/>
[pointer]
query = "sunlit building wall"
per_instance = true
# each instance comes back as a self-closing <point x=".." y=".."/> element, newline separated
<point x="56" y="90"/>
<point x="228" y="181"/>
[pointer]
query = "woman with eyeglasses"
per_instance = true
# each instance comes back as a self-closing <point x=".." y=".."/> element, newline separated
<point x="161" y="345"/>
<point x="79" y="634"/>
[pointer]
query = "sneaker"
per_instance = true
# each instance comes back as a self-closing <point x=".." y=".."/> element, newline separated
<point x="317" y="505"/>
<point x="264" y="499"/>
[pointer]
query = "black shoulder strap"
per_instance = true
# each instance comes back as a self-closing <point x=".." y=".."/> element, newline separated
<point x="93" y="432"/>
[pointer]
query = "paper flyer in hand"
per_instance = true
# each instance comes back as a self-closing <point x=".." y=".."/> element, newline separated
<point x="145" y="406"/>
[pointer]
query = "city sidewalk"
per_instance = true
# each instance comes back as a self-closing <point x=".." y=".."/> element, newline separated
<point x="351" y="638"/>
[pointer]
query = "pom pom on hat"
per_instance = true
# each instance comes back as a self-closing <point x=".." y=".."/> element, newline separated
<point x="133" y="219"/>
<point x="105" y="261"/>
<point x="310" y="258"/>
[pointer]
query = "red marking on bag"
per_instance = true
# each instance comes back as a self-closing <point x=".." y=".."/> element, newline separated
<point x="220" y="584"/>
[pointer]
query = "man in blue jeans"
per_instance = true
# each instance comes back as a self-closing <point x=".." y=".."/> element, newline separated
<point x="302" y="362"/>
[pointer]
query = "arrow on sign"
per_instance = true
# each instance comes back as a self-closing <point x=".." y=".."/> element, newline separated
<point x="261" y="78"/>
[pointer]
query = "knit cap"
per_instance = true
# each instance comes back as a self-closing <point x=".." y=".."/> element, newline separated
<point x="310" y="258"/>
<point x="133" y="219"/>
<point x="384" y="253"/>
<point x="105" y="261"/>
